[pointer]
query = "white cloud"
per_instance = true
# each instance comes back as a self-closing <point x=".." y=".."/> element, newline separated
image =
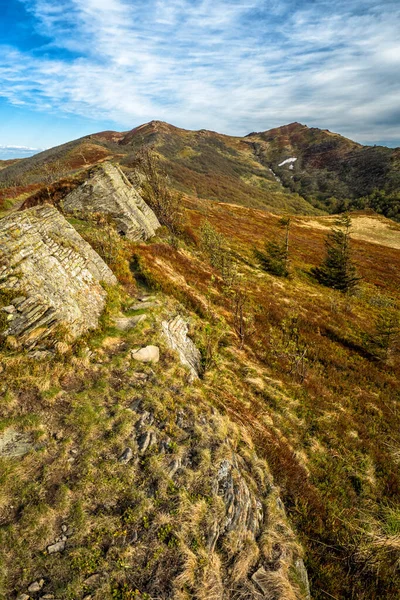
<point x="234" y="66"/>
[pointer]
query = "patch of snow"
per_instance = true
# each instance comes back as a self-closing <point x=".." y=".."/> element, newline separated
<point x="287" y="161"/>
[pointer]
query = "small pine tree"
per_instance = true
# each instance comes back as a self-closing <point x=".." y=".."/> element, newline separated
<point x="337" y="270"/>
<point x="385" y="341"/>
<point x="275" y="258"/>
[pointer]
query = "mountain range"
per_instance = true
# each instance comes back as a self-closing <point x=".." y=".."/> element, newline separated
<point x="292" y="168"/>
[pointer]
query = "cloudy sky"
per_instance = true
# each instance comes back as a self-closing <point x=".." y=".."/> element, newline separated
<point x="73" y="67"/>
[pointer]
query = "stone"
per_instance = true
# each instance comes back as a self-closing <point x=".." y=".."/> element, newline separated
<point x="146" y="440"/>
<point x="108" y="191"/>
<point x="303" y="578"/>
<point x="36" y="586"/>
<point x="9" y="309"/>
<point x="175" y="332"/>
<point x="143" y="305"/>
<point x="14" y="444"/>
<point x="147" y="354"/>
<point x="127" y="323"/>
<point x="57" y="547"/>
<point x="126" y="456"/>
<point x="54" y="274"/>
<point x="48" y="597"/>
<point x="23" y="597"/>
<point x="92" y="580"/>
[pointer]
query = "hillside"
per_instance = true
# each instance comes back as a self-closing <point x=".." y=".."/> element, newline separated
<point x="293" y="168"/>
<point x="330" y="170"/>
<point x="256" y="443"/>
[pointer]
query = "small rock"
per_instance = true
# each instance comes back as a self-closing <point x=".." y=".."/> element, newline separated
<point x="126" y="456"/>
<point x="23" y="597"/>
<point x="64" y="528"/>
<point x="9" y="309"/>
<point x="57" y="547"/>
<point x="127" y="323"/>
<point x="143" y="305"/>
<point x="146" y="440"/>
<point x="48" y="597"/>
<point x="93" y="579"/>
<point x="147" y="354"/>
<point x="14" y="444"/>
<point x="40" y="354"/>
<point x="36" y="586"/>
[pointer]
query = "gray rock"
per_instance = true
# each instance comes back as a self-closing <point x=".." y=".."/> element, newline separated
<point x="147" y="354"/>
<point x="108" y="191"/>
<point x="143" y="305"/>
<point x="14" y="444"/>
<point x="175" y="332"/>
<point x="303" y="578"/>
<point x="127" y="323"/>
<point x="146" y="440"/>
<point x="126" y="456"/>
<point x="23" y="597"/>
<point x="36" y="586"/>
<point x="9" y="309"/>
<point x="54" y="274"/>
<point x="57" y="547"/>
<point x="93" y="580"/>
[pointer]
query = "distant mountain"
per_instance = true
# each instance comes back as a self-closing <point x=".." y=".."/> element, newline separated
<point x="288" y="169"/>
<point x="330" y="170"/>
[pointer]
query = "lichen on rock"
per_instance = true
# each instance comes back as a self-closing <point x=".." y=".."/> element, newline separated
<point x="108" y="191"/>
<point x="51" y="275"/>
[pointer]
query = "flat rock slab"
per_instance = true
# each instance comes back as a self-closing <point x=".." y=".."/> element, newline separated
<point x="147" y="354"/>
<point x="127" y="323"/>
<point x="14" y="444"/>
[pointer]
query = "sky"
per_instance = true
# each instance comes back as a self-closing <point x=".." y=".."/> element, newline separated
<point x="73" y="67"/>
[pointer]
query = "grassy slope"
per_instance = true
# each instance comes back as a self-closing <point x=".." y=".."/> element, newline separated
<point x="331" y="439"/>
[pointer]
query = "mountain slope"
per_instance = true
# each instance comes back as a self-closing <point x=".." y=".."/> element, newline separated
<point x="319" y="164"/>
<point x="293" y="169"/>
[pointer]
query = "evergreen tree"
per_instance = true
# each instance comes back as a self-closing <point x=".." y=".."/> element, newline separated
<point x="337" y="270"/>
<point x="275" y="258"/>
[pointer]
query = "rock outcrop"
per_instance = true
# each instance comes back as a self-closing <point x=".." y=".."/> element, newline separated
<point x="49" y="276"/>
<point x="108" y="191"/>
<point x="234" y="539"/>
<point x="175" y="332"/>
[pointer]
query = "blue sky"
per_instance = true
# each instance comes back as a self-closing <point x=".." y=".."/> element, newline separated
<point x="73" y="67"/>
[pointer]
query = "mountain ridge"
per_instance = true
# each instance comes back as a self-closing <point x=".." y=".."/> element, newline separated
<point x="292" y="168"/>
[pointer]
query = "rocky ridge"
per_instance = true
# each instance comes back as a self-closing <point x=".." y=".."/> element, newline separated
<point x="49" y="276"/>
<point x="108" y="191"/>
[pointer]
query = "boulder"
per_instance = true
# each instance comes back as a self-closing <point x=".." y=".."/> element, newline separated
<point x="146" y="354"/>
<point x="175" y="332"/>
<point x="14" y="444"/>
<point x="108" y="191"/>
<point x="51" y="275"/>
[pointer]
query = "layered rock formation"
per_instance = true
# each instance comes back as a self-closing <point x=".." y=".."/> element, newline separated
<point x="175" y="332"/>
<point x="48" y="276"/>
<point x="108" y="191"/>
